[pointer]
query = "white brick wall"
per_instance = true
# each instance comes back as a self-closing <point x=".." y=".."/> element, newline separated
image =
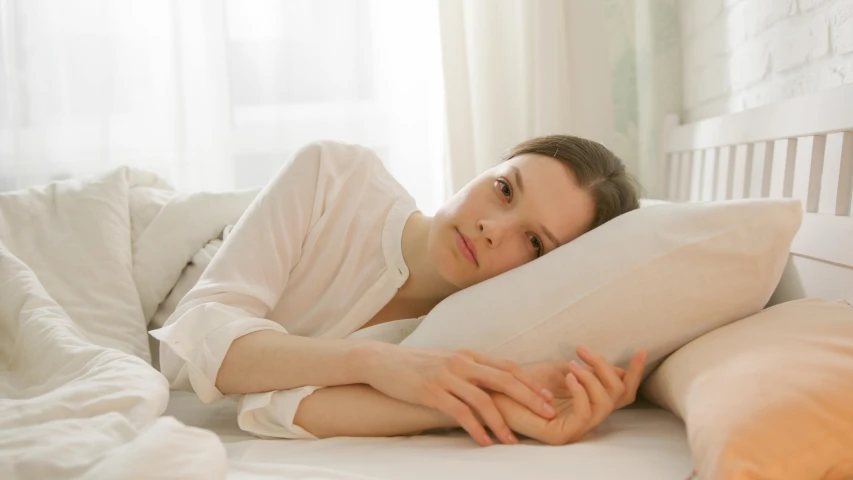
<point x="740" y="54"/>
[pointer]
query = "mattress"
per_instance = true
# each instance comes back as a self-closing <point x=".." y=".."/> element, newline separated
<point x="640" y="442"/>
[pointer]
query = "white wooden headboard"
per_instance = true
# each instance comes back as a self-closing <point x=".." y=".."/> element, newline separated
<point x="797" y="148"/>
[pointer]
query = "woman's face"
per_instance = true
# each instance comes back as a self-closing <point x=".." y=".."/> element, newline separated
<point x="509" y="215"/>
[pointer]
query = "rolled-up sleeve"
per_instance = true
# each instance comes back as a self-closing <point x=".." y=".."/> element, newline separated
<point x="271" y="414"/>
<point x="245" y="279"/>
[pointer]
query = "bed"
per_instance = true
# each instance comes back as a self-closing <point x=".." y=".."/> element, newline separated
<point x="800" y="148"/>
<point x="82" y="401"/>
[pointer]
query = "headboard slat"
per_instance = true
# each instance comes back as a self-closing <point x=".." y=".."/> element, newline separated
<point x="768" y="169"/>
<point x="831" y="168"/>
<point x="815" y="172"/>
<point x="739" y="171"/>
<point x="685" y="171"/>
<point x="844" y="197"/>
<point x="747" y="170"/>
<point x="730" y="174"/>
<point x="790" y="159"/>
<point x="696" y="176"/>
<point x="715" y="158"/>
<point x="722" y="173"/>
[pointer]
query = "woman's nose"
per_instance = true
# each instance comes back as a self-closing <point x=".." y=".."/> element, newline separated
<point x="494" y="229"/>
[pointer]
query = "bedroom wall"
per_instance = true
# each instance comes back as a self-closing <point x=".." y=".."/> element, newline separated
<point x="740" y="54"/>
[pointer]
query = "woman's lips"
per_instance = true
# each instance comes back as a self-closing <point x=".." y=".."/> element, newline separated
<point x="466" y="248"/>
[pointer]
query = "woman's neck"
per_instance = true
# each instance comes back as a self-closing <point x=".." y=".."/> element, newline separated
<point x="425" y="284"/>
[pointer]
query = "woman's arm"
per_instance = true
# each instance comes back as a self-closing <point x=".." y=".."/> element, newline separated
<point x="362" y="411"/>
<point x="268" y="360"/>
<point x="584" y="399"/>
<point x="404" y="388"/>
<point x="245" y="279"/>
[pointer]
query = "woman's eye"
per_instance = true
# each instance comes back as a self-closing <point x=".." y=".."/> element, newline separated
<point x="506" y="190"/>
<point x="537" y="245"/>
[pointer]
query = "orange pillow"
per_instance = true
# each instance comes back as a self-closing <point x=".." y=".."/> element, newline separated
<point x="767" y="397"/>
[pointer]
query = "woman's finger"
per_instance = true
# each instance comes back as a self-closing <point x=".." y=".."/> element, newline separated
<point x="604" y="371"/>
<point x="633" y="378"/>
<point x="453" y="407"/>
<point x="620" y="372"/>
<point x="579" y="422"/>
<point x="602" y="402"/>
<point x="504" y="382"/>
<point x="515" y="370"/>
<point x="483" y="404"/>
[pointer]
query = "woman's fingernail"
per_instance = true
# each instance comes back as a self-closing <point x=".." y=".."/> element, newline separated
<point x="582" y="349"/>
<point x="547" y="394"/>
<point x="549" y="410"/>
<point x="512" y="439"/>
<point x="487" y="440"/>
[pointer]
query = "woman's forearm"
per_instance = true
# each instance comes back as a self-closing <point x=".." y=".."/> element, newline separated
<point x="362" y="411"/>
<point x="267" y="360"/>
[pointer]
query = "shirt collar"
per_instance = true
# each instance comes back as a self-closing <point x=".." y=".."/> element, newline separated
<point x="392" y="239"/>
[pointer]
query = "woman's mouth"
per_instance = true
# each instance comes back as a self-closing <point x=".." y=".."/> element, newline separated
<point x="466" y="248"/>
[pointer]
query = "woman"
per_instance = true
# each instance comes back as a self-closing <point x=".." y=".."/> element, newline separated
<point x="334" y="244"/>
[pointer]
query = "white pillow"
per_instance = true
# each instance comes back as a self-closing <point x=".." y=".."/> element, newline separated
<point x="654" y="279"/>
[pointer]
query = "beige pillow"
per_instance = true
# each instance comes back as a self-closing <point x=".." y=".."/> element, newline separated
<point x="654" y="279"/>
<point x="768" y="397"/>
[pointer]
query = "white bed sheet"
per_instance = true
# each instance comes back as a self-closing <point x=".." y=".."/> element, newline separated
<point x="637" y="443"/>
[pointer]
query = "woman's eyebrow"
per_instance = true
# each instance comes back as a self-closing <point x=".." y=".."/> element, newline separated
<point x="517" y="174"/>
<point x="550" y="236"/>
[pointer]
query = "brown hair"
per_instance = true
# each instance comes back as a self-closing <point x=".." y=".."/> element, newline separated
<point x="597" y="170"/>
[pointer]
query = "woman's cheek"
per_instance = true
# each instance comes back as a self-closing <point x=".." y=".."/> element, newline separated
<point x="507" y="262"/>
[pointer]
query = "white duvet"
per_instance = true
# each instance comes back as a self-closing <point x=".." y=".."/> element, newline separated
<point x="84" y="265"/>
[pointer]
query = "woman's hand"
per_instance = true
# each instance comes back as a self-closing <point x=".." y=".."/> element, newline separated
<point x="584" y="397"/>
<point x="454" y="383"/>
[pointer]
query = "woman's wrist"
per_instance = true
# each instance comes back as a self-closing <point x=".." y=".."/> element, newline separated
<point x="363" y="358"/>
<point x="518" y="417"/>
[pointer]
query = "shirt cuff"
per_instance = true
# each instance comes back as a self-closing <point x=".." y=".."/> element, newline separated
<point x="270" y="414"/>
<point x="193" y="347"/>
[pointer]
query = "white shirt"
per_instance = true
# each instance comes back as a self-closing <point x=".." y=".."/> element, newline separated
<point x="317" y="254"/>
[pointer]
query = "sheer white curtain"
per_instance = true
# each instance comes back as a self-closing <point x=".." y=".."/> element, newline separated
<point x="215" y="94"/>
<point x="515" y="69"/>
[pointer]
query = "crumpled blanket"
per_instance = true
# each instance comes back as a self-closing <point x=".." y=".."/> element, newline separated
<point x="84" y="265"/>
